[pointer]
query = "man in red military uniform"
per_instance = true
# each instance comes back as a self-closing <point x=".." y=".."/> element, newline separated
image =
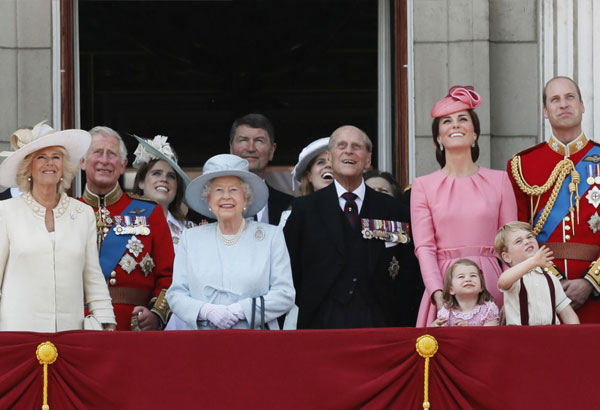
<point x="136" y="251"/>
<point x="557" y="186"/>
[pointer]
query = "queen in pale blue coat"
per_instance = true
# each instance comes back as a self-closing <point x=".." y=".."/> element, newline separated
<point x="221" y="267"/>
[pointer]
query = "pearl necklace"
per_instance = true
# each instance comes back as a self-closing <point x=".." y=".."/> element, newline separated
<point x="235" y="238"/>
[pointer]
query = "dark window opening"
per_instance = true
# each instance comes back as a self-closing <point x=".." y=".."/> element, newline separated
<point x="187" y="69"/>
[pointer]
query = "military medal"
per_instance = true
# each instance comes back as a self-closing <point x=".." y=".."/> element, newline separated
<point x="393" y="268"/>
<point x="127" y="225"/>
<point x="127" y="263"/>
<point x="597" y="178"/>
<point x="593" y="196"/>
<point x="594" y="222"/>
<point x="147" y="264"/>
<point x="389" y="231"/>
<point x="590" y="178"/>
<point x="135" y="246"/>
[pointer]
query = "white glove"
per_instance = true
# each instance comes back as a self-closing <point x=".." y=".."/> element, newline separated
<point x="218" y="315"/>
<point x="236" y="309"/>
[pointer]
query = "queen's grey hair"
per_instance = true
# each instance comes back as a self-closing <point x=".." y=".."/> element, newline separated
<point x="245" y="187"/>
<point x="109" y="132"/>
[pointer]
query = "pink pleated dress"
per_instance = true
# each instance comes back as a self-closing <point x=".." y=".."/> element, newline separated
<point x="454" y="218"/>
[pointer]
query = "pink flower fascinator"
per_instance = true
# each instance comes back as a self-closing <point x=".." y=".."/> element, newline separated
<point x="460" y="97"/>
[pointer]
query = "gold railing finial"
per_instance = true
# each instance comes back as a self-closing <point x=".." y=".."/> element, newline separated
<point x="427" y="347"/>
<point x="47" y="354"/>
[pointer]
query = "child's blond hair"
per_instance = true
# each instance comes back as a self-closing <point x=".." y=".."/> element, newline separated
<point x="450" y="300"/>
<point x="500" y="244"/>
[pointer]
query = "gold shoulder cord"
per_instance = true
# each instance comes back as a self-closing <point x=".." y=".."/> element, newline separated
<point x="556" y="179"/>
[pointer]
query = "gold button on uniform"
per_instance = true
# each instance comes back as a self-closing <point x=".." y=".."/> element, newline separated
<point x="113" y="274"/>
<point x="112" y="281"/>
<point x="567" y="227"/>
<point x="567" y="219"/>
<point x="567" y="237"/>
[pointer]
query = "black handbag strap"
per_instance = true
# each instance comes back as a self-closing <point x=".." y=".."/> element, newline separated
<point x="262" y="313"/>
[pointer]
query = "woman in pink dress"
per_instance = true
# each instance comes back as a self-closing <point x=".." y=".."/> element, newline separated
<point x="457" y="210"/>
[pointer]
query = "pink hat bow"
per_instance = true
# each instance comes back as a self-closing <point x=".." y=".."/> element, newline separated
<point x="459" y="98"/>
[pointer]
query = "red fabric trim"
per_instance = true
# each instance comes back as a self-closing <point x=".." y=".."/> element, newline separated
<point x="475" y="368"/>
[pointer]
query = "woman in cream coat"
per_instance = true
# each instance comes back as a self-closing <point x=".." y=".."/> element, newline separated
<point x="49" y="263"/>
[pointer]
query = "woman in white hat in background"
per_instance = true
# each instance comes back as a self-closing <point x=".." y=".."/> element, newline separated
<point x="49" y="265"/>
<point x="160" y="178"/>
<point x="312" y="172"/>
<point x="222" y="266"/>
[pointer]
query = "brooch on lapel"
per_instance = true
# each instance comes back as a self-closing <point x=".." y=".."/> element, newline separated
<point x="389" y="231"/>
<point x="259" y="234"/>
<point x="394" y="267"/>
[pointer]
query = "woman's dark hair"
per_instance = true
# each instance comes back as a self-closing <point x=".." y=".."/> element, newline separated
<point x="175" y="205"/>
<point x="441" y="155"/>
<point x="372" y="173"/>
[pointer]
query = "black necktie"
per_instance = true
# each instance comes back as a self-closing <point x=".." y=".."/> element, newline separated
<point x="350" y="209"/>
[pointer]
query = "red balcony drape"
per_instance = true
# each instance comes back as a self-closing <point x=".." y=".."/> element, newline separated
<point x="551" y="367"/>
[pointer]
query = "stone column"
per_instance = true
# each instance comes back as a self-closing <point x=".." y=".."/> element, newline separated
<point x="25" y="65"/>
<point x="514" y="79"/>
<point x="451" y="46"/>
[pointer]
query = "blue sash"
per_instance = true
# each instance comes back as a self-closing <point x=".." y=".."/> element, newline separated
<point x="561" y="206"/>
<point x="113" y="246"/>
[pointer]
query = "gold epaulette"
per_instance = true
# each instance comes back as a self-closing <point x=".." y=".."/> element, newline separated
<point x="160" y="306"/>
<point x="593" y="275"/>
<point x="406" y="188"/>
<point x="554" y="270"/>
<point x="140" y="198"/>
<point x="554" y="181"/>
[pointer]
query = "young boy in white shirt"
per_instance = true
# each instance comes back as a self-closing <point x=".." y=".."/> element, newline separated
<point x="531" y="295"/>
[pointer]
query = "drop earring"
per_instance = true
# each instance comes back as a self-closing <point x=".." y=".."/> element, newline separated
<point x="441" y="146"/>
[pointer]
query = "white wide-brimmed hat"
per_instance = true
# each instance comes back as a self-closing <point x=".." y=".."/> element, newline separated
<point x="225" y="165"/>
<point x="158" y="148"/>
<point x="26" y="141"/>
<point x="309" y="152"/>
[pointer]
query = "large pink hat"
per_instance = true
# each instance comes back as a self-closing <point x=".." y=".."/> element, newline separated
<point x="460" y="97"/>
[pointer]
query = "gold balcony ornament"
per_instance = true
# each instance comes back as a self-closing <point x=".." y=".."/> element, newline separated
<point x="47" y="354"/>
<point x="427" y="347"/>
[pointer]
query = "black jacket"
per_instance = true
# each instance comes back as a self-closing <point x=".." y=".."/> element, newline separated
<point x="314" y="237"/>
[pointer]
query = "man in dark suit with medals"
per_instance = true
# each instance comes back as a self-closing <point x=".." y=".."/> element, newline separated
<point x="557" y="189"/>
<point x="135" y="246"/>
<point x="345" y="278"/>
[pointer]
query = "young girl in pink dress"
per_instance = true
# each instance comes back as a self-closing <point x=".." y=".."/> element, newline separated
<point x="466" y="300"/>
<point x="457" y="210"/>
